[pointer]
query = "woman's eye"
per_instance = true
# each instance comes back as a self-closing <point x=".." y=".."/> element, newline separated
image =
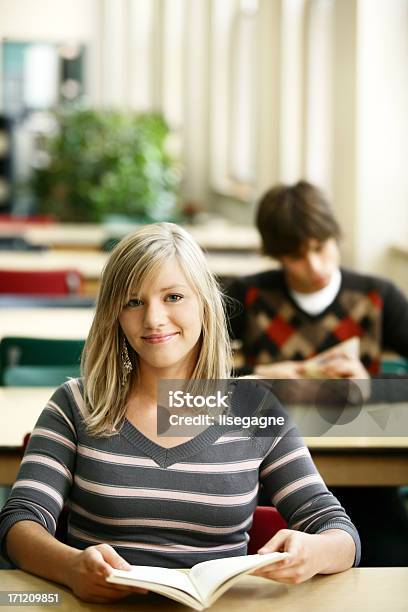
<point x="133" y="303"/>
<point x="173" y="297"/>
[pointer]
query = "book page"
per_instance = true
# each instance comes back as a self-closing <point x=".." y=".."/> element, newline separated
<point x="209" y="576"/>
<point x="155" y="575"/>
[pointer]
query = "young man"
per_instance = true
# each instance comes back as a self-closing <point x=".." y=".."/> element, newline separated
<point x="310" y="305"/>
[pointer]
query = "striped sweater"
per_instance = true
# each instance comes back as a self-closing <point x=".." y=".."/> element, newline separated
<point x="171" y="507"/>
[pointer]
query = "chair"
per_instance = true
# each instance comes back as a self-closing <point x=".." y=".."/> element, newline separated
<point x="18" y="243"/>
<point x="266" y="522"/>
<point x="26" y="219"/>
<point x="44" y="301"/>
<point x="39" y="376"/>
<point x="396" y="366"/>
<point x="109" y="244"/>
<point x="44" y="282"/>
<point x="38" y="361"/>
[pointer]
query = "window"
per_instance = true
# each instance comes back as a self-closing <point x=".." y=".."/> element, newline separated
<point x="233" y="95"/>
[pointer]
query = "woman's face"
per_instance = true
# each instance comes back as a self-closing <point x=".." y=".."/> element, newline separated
<point x="163" y="321"/>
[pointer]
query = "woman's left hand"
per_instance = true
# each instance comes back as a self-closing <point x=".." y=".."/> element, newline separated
<point x="307" y="556"/>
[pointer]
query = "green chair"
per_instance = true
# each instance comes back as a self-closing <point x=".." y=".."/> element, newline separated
<point x="399" y="365"/>
<point x="55" y="359"/>
<point x="39" y="376"/>
<point x="109" y="244"/>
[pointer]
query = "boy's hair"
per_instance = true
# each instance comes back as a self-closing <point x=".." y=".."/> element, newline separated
<point x="290" y="215"/>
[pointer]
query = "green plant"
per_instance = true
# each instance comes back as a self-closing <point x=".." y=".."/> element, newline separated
<point x="107" y="163"/>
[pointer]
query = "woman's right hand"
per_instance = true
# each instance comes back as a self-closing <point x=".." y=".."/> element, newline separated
<point x="88" y="572"/>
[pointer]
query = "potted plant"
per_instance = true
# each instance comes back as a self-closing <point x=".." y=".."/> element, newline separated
<point x="102" y="163"/>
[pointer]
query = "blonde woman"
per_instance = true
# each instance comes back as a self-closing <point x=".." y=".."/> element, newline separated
<point x="137" y="498"/>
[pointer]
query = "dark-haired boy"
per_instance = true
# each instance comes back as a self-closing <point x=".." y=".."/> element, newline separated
<point x="310" y="305"/>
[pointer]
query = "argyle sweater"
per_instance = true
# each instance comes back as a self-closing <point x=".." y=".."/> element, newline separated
<point x="170" y="507"/>
<point x="272" y="327"/>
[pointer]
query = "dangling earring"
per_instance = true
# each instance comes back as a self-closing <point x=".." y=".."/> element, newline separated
<point x="126" y="363"/>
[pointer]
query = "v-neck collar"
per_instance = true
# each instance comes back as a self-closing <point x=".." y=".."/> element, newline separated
<point x="164" y="457"/>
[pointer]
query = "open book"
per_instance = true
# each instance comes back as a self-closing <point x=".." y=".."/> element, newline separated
<point x="198" y="587"/>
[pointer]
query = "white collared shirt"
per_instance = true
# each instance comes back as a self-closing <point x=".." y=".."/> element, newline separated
<point x="317" y="302"/>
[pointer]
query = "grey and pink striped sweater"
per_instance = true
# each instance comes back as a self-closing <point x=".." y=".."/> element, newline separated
<point x="168" y="507"/>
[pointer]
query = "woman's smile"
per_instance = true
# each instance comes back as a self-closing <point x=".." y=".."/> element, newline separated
<point x="160" y="338"/>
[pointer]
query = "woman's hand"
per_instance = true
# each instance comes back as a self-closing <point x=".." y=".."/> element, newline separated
<point x="88" y="571"/>
<point x="303" y="561"/>
<point x="309" y="554"/>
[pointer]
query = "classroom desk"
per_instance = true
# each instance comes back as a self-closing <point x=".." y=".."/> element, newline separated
<point x="360" y="461"/>
<point x="62" y="323"/>
<point x="216" y="234"/>
<point x="372" y="589"/>
<point x="350" y="461"/>
<point x="90" y="264"/>
<point x="19" y="411"/>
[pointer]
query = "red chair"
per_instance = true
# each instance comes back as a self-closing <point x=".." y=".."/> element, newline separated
<point x="24" y="219"/>
<point x="40" y="282"/>
<point x="267" y="521"/>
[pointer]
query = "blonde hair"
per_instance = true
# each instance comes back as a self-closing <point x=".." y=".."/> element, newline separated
<point x="135" y="259"/>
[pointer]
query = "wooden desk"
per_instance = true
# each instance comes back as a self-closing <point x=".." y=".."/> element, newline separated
<point x="19" y="411"/>
<point x="363" y="589"/>
<point x="20" y="408"/>
<point x="355" y="461"/>
<point x="90" y="264"/>
<point x="360" y="461"/>
<point x="63" y="323"/>
<point x="217" y="234"/>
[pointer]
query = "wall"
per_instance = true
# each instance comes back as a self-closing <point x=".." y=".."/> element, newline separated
<point x="382" y="135"/>
<point x="344" y="142"/>
<point x="57" y="21"/>
<point x="368" y="180"/>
